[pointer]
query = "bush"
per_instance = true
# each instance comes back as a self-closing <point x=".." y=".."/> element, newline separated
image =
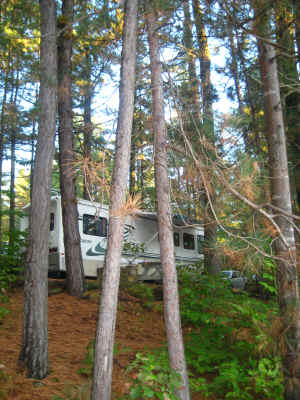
<point x="153" y="377"/>
<point x="11" y="267"/>
<point x="231" y="341"/>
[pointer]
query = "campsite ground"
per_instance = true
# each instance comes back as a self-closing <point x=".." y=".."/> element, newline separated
<point x="72" y="325"/>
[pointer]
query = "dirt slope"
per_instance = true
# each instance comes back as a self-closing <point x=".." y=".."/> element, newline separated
<point x="72" y="325"/>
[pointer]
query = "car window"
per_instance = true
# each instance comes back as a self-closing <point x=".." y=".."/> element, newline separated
<point x="226" y="274"/>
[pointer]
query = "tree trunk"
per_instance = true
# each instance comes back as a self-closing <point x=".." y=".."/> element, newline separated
<point x="212" y="261"/>
<point x="132" y="167"/>
<point x="289" y="79"/>
<point x="296" y="7"/>
<point x="34" y="351"/>
<point x="87" y="118"/>
<point x="192" y="100"/>
<point x="165" y="226"/>
<point x="2" y="127"/>
<point x="13" y="123"/>
<point x="284" y="244"/>
<point x="12" y="192"/>
<point x="108" y="308"/>
<point x="74" y="265"/>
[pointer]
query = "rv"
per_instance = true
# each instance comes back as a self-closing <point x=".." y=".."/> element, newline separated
<point x="141" y="242"/>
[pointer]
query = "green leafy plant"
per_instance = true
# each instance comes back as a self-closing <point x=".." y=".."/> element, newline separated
<point x="87" y="363"/>
<point x="229" y="342"/>
<point x="134" y="248"/>
<point x="11" y="267"/>
<point x="268" y="378"/>
<point x="153" y="378"/>
<point x="143" y="292"/>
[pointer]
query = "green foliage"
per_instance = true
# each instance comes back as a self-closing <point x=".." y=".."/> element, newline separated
<point x="154" y="378"/>
<point x="134" y="248"/>
<point x="11" y="267"/>
<point x="143" y="292"/>
<point x="268" y="281"/>
<point x="230" y="341"/>
<point x="87" y="364"/>
<point x="268" y="378"/>
<point x="199" y="294"/>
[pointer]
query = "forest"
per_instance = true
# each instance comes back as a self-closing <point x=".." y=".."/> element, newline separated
<point x="187" y="109"/>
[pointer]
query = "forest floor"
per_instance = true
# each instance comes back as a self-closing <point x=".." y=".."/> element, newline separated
<point x="72" y="325"/>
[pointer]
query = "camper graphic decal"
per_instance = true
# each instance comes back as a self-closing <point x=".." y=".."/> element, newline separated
<point x="127" y="231"/>
<point x="99" y="249"/>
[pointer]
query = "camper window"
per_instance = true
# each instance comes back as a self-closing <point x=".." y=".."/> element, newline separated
<point x="200" y="240"/>
<point x="95" y="226"/>
<point x="176" y="239"/>
<point x="51" y="221"/>
<point x="188" y="241"/>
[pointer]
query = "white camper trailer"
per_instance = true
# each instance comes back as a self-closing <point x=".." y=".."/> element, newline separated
<point x="141" y="242"/>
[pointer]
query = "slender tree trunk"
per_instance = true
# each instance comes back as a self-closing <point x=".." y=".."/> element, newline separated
<point x="165" y="226"/>
<point x="2" y="127"/>
<point x="87" y="104"/>
<point x="109" y="298"/>
<point x="12" y="193"/>
<point x="13" y="140"/>
<point x="192" y="100"/>
<point x="296" y="7"/>
<point x="34" y="350"/>
<point x="284" y="245"/>
<point x="132" y="169"/>
<point x="32" y="143"/>
<point x="74" y="265"/>
<point x="87" y="120"/>
<point x="212" y="261"/>
<point x="289" y="79"/>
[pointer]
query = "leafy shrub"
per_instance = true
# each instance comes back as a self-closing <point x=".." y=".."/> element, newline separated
<point x="153" y="378"/>
<point x="143" y="292"/>
<point x="11" y="259"/>
<point x="268" y="379"/>
<point x="87" y="363"/>
<point x="231" y="341"/>
<point x="11" y="267"/>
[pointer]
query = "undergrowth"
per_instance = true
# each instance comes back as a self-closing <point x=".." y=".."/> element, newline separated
<point x="231" y="342"/>
<point x="11" y="267"/>
<point x="230" y="348"/>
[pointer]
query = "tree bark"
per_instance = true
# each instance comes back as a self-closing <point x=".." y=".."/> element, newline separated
<point x="165" y="226"/>
<point x="132" y="167"/>
<point x="192" y="100"/>
<point x="289" y="79"/>
<point x="13" y="124"/>
<point x="34" y="351"/>
<point x="87" y="118"/>
<point x="2" y="127"/>
<point x="74" y="264"/>
<point x="12" y="192"/>
<point x="284" y="245"/>
<point x="108" y="307"/>
<point x="296" y="7"/>
<point x="212" y="262"/>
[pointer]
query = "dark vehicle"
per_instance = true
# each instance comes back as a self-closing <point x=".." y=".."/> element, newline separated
<point x="236" y="279"/>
